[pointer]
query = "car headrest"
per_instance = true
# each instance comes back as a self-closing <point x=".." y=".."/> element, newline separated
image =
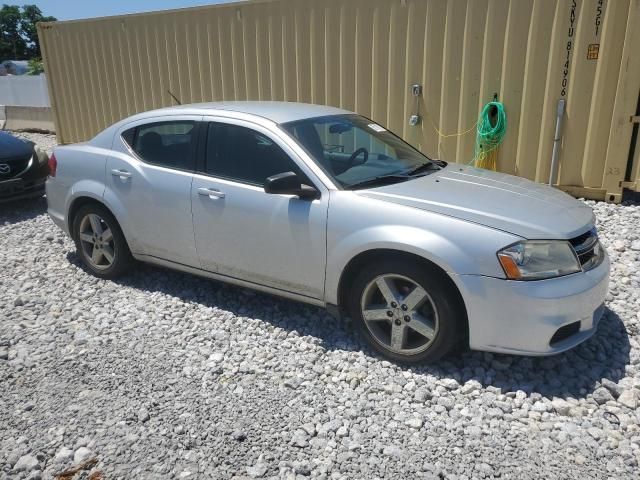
<point x="150" y="142"/>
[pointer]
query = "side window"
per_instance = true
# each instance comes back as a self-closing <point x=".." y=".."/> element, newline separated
<point x="169" y="144"/>
<point x="128" y="136"/>
<point x="244" y="155"/>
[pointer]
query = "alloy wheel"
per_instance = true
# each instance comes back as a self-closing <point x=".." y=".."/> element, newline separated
<point x="400" y="314"/>
<point x="96" y="240"/>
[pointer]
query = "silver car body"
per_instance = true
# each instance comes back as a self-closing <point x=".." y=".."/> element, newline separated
<point x="457" y="218"/>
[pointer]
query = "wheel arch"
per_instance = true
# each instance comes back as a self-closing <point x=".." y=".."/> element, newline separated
<point x="368" y="256"/>
<point x="79" y="202"/>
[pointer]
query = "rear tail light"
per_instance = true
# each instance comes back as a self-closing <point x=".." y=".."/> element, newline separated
<point x="53" y="165"/>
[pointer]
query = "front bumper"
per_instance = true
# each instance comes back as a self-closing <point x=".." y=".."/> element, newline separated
<point x="19" y="189"/>
<point x="522" y="317"/>
<point x="27" y="184"/>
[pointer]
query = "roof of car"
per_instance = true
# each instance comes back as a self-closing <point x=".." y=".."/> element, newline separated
<point x="278" y="112"/>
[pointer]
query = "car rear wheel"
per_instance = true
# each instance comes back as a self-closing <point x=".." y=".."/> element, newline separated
<point x="407" y="311"/>
<point x="100" y="242"/>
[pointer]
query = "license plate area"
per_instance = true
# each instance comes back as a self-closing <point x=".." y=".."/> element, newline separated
<point x="11" y="187"/>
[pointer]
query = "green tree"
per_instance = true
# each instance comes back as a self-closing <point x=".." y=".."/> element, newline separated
<point x="18" y="32"/>
<point x="31" y="15"/>
<point x="36" y="67"/>
<point x="12" y="43"/>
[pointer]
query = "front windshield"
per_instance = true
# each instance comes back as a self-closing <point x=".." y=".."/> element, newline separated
<point x="353" y="150"/>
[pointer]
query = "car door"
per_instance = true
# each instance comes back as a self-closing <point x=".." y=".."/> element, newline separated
<point x="242" y="232"/>
<point x="149" y="182"/>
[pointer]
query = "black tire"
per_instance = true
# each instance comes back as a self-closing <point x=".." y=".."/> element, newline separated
<point x="444" y="300"/>
<point x="122" y="258"/>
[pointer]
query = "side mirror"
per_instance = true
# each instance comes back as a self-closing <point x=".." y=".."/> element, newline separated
<point x="288" y="183"/>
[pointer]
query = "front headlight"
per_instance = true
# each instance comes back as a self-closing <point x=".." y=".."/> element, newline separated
<point x="40" y="155"/>
<point x="538" y="259"/>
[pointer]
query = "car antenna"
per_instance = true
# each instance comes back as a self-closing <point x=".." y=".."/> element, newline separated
<point x="174" y="97"/>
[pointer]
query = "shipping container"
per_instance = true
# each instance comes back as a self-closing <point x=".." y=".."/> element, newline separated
<point x="364" y="55"/>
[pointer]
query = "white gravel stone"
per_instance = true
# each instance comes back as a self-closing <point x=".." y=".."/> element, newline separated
<point x="143" y="415"/>
<point x="470" y="387"/>
<point x="446" y="402"/>
<point x="165" y="375"/>
<point x="602" y="395"/>
<point x="562" y="407"/>
<point x="613" y="387"/>
<point x="34" y="475"/>
<point x="300" y="439"/>
<point x="449" y="383"/>
<point x="81" y="454"/>
<point x="473" y="431"/>
<point x="392" y="451"/>
<point x="414" y="422"/>
<point x="619" y="245"/>
<point x="629" y="398"/>
<point x="64" y="455"/>
<point x="539" y="407"/>
<point x="26" y="463"/>
<point x="257" y="471"/>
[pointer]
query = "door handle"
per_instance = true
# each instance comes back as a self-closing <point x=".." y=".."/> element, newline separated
<point x="123" y="174"/>
<point x="211" y="193"/>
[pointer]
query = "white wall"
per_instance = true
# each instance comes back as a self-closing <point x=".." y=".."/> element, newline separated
<point x="24" y="90"/>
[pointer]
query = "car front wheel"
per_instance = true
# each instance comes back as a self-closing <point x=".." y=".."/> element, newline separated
<point x="407" y="311"/>
<point x="100" y="242"/>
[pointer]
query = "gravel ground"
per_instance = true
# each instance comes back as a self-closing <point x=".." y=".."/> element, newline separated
<point x="165" y="375"/>
<point x="46" y="141"/>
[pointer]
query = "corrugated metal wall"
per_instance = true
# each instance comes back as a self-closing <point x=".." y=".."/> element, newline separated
<point x="363" y="55"/>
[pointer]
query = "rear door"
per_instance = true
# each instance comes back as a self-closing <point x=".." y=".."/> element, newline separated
<point x="149" y="181"/>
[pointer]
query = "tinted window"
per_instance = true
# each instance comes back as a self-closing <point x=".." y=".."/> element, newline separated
<point x="169" y="144"/>
<point x="128" y="136"/>
<point x="242" y="154"/>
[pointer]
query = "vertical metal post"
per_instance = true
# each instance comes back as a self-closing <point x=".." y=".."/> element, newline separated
<point x="556" y="142"/>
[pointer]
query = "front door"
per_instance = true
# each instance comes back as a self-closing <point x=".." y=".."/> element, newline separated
<point x="242" y="232"/>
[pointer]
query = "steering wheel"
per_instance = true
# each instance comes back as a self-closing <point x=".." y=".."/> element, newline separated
<point x="355" y="155"/>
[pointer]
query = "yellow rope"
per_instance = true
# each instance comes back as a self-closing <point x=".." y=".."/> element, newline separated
<point x="483" y="157"/>
<point x="459" y="134"/>
<point x="443" y="135"/>
<point x="491" y="133"/>
<point x="487" y="159"/>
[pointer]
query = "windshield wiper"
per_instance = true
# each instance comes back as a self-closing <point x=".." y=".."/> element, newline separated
<point x="380" y="179"/>
<point x="423" y="167"/>
<point x="440" y="163"/>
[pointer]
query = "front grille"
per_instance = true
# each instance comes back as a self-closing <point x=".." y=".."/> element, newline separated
<point x="565" y="332"/>
<point x="9" y="168"/>
<point x="588" y="249"/>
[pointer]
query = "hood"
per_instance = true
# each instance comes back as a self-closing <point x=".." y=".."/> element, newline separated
<point x="12" y="148"/>
<point x="497" y="200"/>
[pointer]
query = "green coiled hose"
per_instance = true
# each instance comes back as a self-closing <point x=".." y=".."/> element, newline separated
<point x="490" y="132"/>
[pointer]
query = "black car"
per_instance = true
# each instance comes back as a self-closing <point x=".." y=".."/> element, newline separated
<point x="23" y="168"/>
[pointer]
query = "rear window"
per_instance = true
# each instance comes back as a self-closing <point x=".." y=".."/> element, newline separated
<point x="169" y="144"/>
<point x="128" y="136"/>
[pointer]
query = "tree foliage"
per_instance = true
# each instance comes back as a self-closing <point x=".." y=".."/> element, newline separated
<point x="18" y="32"/>
<point x="36" y="67"/>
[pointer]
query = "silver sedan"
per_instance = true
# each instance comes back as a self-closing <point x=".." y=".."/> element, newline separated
<point x="327" y="207"/>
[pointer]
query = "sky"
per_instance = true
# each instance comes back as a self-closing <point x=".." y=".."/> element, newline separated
<point x="74" y="9"/>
